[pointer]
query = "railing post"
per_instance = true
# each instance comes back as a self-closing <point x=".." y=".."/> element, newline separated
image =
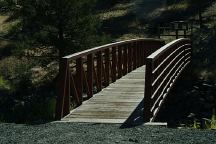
<point x="107" y="66"/>
<point x="63" y="100"/>
<point x="185" y="34"/>
<point x="148" y="90"/>
<point x="144" y="48"/>
<point x="99" y="70"/>
<point x="90" y="65"/>
<point x="159" y="32"/>
<point x="129" y="58"/>
<point x="134" y="55"/>
<point x="140" y="53"/>
<point x="119" y="62"/>
<point x="79" y="79"/>
<point x="177" y="34"/>
<point x="125" y="59"/>
<point x="114" y="61"/>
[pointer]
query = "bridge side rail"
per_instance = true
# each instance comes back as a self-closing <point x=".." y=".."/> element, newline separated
<point x="162" y="70"/>
<point x="88" y="72"/>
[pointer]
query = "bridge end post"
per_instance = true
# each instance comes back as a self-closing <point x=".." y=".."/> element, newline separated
<point x="63" y="98"/>
<point x="148" y="90"/>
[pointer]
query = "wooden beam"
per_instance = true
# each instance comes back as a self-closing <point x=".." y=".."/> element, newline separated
<point x="90" y="65"/>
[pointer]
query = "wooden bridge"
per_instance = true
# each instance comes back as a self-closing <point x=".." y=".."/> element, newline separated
<point x="106" y="84"/>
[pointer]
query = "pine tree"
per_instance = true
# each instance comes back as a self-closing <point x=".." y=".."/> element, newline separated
<point x="69" y="25"/>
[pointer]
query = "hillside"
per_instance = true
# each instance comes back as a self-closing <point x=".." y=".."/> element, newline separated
<point x="120" y="21"/>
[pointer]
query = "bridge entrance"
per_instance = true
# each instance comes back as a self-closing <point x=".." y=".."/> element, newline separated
<point x="117" y="78"/>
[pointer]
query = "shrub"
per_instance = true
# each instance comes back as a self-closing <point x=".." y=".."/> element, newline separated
<point x="16" y="71"/>
<point x="26" y="88"/>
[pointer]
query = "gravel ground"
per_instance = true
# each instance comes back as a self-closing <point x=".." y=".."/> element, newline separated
<point x="101" y="134"/>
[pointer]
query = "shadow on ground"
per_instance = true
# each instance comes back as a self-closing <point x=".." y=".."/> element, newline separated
<point x="136" y="118"/>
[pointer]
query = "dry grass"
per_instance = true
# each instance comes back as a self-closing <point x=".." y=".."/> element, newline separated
<point x="118" y="10"/>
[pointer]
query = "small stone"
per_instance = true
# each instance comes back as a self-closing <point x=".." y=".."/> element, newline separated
<point x="133" y="140"/>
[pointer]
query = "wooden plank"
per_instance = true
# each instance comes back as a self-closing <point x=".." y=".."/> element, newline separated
<point x="138" y="89"/>
<point x="125" y="86"/>
<point x="93" y="120"/>
<point x="137" y="76"/>
<point x="108" y="99"/>
<point x="115" y="102"/>
<point x="95" y="108"/>
<point x="100" y="114"/>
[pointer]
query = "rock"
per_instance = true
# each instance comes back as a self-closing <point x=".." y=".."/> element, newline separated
<point x="133" y="140"/>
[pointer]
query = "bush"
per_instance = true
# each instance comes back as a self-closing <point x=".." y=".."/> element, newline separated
<point x="4" y="85"/>
<point x="19" y="94"/>
<point x="6" y="5"/>
<point x="15" y="70"/>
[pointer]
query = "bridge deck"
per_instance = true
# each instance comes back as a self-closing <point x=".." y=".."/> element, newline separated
<point x="113" y="104"/>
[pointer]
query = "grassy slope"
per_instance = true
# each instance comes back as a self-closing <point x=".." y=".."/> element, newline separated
<point x="133" y="20"/>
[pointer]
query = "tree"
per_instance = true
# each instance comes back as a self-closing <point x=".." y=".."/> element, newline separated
<point x="68" y="25"/>
<point x="200" y="5"/>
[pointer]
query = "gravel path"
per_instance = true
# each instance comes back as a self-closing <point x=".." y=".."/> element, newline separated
<point x="101" y="134"/>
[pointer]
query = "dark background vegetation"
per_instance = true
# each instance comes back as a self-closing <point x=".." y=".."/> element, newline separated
<point x="45" y="30"/>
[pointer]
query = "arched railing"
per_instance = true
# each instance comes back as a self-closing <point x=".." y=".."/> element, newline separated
<point x="162" y="69"/>
<point x="84" y="73"/>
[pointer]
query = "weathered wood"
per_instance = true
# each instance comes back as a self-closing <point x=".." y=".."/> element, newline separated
<point x="75" y="96"/>
<point x="125" y="60"/>
<point x="163" y="67"/>
<point x="148" y="90"/>
<point x="119" y="67"/>
<point x="95" y="77"/>
<point x="63" y="102"/>
<point x="107" y="66"/>
<point x="99" y="70"/>
<point x="114" y="61"/>
<point x="139" y="53"/>
<point x="134" y="55"/>
<point x="116" y="44"/>
<point x="129" y="58"/>
<point x="90" y="65"/>
<point x="79" y="79"/>
<point x="118" y="104"/>
<point x="126" y="56"/>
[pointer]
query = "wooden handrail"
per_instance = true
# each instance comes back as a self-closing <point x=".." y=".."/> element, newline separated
<point x="89" y="71"/>
<point x="162" y="70"/>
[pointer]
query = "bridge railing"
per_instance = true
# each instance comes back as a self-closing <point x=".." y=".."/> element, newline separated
<point x="88" y="72"/>
<point x="162" y="69"/>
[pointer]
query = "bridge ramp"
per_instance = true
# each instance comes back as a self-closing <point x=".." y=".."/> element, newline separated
<point x="115" y="103"/>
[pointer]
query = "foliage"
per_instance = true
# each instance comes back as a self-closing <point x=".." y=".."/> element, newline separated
<point x="19" y="94"/>
<point x="15" y="70"/>
<point x="4" y="85"/>
<point x="6" y="5"/>
<point x="68" y="25"/>
<point x="28" y="86"/>
<point x="210" y="123"/>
